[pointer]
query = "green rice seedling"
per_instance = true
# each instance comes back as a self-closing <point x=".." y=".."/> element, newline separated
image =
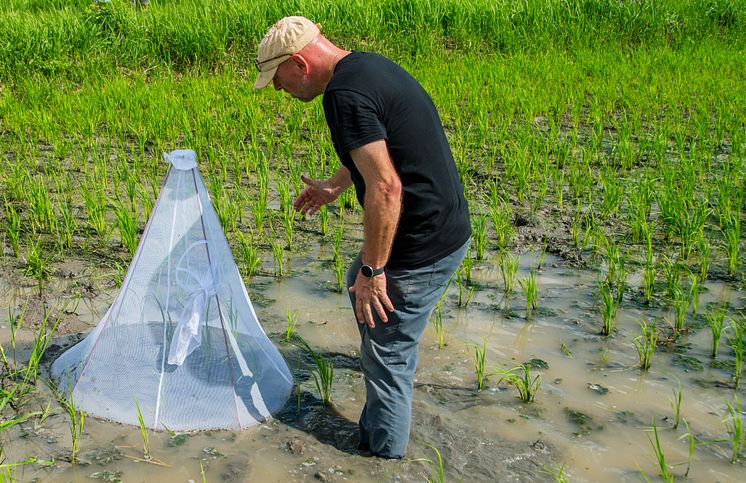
<point x="42" y="215"/>
<point x="95" y="204"/>
<point x="645" y="344"/>
<point x="704" y="259"/>
<point x="680" y="305"/>
<point x="283" y="190"/>
<point x="127" y="224"/>
<point x="288" y="219"/>
<point x="259" y="212"/>
<point x="530" y="290"/>
<point x="339" y="274"/>
<point x="77" y="422"/>
<point x="676" y="405"/>
<point x="734" y="426"/>
<point x="479" y="235"/>
<point x="556" y="473"/>
<point x="42" y="339"/>
<point x="735" y="340"/>
<point x="692" y="444"/>
<point x="732" y="237"/>
<point x="608" y="307"/>
<point x="147" y="201"/>
<point x="12" y="227"/>
<point x="143" y="433"/>
<point x="715" y="319"/>
<point x="337" y="241"/>
<point x="323" y="374"/>
<point x="15" y="322"/>
<point x="689" y="224"/>
<point x="466" y="265"/>
<point x="612" y="192"/>
<point x="36" y="264"/>
<point x="324" y="219"/>
<point x="437" y="466"/>
<point x="480" y="353"/>
<point x="501" y="216"/>
<point x="694" y="292"/>
<point x="291" y="326"/>
<point x="649" y="275"/>
<point x="437" y="320"/>
<point x="68" y="225"/>
<point x="465" y="292"/>
<point x="278" y="254"/>
<point x="248" y="255"/>
<point x="665" y="472"/>
<point x="520" y="377"/>
<point x="673" y="278"/>
<point x="558" y="186"/>
<point x="508" y="271"/>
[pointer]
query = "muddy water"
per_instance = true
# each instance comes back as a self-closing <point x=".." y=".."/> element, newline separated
<point x="590" y="415"/>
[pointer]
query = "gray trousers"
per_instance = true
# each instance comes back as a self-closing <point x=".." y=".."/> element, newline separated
<point x="388" y="352"/>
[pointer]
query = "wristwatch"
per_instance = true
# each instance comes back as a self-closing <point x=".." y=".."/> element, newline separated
<point x="370" y="272"/>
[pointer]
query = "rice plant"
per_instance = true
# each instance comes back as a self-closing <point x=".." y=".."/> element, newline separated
<point x="608" y="308"/>
<point x="734" y="426"/>
<point x="36" y="264"/>
<point x="732" y="237"/>
<point x="715" y="319"/>
<point x="681" y="305"/>
<point x="528" y="284"/>
<point x="735" y="340"/>
<point x="437" y="467"/>
<point x="143" y="433"/>
<point x="465" y="292"/>
<point x="278" y="255"/>
<point x="665" y="472"/>
<point x="479" y="235"/>
<point x="521" y="378"/>
<point x="323" y="375"/>
<point x="324" y="219"/>
<point x="12" y="227"/>
<point x="248" y="255"/>
<point x="127" y="224"/>
<point x="291" y="326"/>
<point x="645" y="344"/>
<point x="437" y="321"/>
<point x="676" y="403"/>
<point x="480" y="354"/>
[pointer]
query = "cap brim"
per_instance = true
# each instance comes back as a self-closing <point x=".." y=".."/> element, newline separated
<point x="264" y="78"/>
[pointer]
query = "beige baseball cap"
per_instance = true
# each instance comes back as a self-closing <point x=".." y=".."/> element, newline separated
<point x="285" y="38"/>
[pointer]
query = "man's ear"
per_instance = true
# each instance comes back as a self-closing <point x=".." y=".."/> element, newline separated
<point x="301" y="63"/>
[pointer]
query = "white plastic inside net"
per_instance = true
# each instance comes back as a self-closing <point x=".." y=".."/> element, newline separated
<point x="181" y="338"/>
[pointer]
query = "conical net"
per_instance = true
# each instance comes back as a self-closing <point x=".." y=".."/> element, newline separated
<point x="181" y="339"/>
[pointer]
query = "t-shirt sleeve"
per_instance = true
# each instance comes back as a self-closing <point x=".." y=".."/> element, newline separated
<point x="353" y="120"/>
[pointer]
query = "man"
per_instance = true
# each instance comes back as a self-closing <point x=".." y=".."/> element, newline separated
<point x="390" y="141"/>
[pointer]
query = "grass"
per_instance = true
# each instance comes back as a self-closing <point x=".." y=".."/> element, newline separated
<point x="291" y="326"/>
<point x="436" y="465"/>
<point x="530" y="290"/>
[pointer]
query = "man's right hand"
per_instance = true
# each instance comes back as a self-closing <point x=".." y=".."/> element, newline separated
<point x="316" y="194"/>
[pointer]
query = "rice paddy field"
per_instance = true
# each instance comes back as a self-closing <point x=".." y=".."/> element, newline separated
<point x="595" y="331"/>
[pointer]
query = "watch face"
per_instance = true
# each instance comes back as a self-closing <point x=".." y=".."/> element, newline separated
<point x="366" y="271"/>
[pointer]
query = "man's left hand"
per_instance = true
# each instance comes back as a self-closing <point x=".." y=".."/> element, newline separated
<point x="370" y="294"/>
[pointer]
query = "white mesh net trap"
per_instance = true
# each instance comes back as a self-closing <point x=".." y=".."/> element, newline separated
<point x="181" y="339"/>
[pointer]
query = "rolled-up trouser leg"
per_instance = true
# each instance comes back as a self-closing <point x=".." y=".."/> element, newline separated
<point x="388" y="352"/>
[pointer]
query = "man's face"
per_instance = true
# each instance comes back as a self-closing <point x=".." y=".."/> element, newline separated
<point x="291" y="77"/>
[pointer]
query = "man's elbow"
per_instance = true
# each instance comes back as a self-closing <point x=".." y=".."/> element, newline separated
<point x="392" y="190"/>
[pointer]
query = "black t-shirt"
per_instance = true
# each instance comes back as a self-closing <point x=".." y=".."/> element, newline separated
<point x="369" y="98"/>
